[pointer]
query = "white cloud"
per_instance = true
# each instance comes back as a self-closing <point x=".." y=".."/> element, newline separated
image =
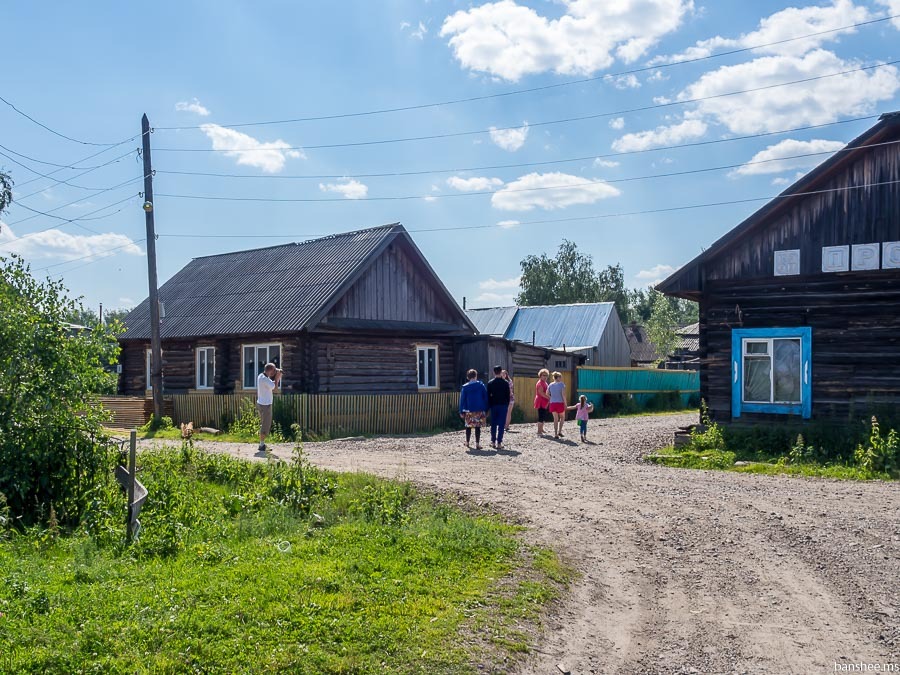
<point x="504" y="284"/>
<point x="508" y="40"/>
<point x="510" y="139"/>
<point x="662" y="135"/>
<point x="477" y="184"/>
<point x="192" y="106"/>
<point x="429" y="198"/>
<point x="605" y="163"/>
<point x="654" y="275"/>
<point x="64" y="246"/>
<point x="508" y="224"/>
<point x="816" y="102"/>
<point x="270" y="156"/>
<point x="780" y="181"/>
<point x="629" y="81"/>
<point x="787" y="148"/>
<point x="783" y="25"/>
<point x="550" y="191"/>
<point x="418" y="33"/>
<point x="617" y="123"/>
<point x="126" y="302"/>
<point x="496" y="298"/>
<point x="893" y="7"/>
<point x="350" y="188"/>
<point x="404" y="25"/>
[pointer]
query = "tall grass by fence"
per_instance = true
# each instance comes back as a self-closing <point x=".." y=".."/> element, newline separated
<point x="641" y="385"/>
<point x="327" y="414"/>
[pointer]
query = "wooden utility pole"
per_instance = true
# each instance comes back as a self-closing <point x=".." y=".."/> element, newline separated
<point x="155" y="349"/>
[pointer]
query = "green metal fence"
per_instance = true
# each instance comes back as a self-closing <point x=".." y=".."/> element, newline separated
<point x="641" y="385"/>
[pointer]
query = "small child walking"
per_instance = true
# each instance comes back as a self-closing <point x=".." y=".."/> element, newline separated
<point x="582" y="409"/>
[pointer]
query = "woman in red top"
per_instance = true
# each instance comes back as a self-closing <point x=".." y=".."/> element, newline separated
<point x="542" y="399"/>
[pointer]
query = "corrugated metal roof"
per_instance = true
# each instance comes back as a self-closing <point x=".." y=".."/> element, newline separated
<point x="550" y="325"/>
<point x="642" y="349"/>
<point x="493" y="320"/>
<point x="265" y="290"/>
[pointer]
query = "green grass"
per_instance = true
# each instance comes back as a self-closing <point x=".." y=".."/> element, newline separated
<point x="282" y="568"/>
<point x="724" y="461"/>
<point x="599" y="413"/>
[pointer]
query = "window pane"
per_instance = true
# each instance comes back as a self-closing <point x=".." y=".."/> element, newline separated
<point x="210" y="370"/>
<point x="432" y="367"/>
<point x="786" y="358"/>
<point x="421" y="367"/>
<point x="757" y="379"/>
<point x="757" y="347"/>
<point x="249" y="367"/>
<point x="275" y="355"/>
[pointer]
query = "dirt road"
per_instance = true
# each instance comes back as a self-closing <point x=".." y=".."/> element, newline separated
<point x="682" y="571"/>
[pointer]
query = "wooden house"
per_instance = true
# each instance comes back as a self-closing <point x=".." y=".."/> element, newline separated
<point x="591" y="330"/>
<point x="355" y="313"/>
<point x="799" y="303"/>
<point x="643" y="351"/>
<point x="483" y="352"/>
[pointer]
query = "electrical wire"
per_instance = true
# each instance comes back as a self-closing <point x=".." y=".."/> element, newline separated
<point x="390" y="174"/>
<point x="507" y="190"/>
<point x="567" y="120"/>
<point x="76" y="201"/>
<point x="599" y="216"/>
<point x="68" y="166"/>
<point x="607" y="76"/>
<point x="53" y="131"/>
<point x="60" y="181"/>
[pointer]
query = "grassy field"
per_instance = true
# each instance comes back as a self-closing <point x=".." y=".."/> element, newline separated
<point x="249" y="567"/>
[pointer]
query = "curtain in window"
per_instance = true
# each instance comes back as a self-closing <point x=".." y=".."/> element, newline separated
<point x="786" y="373"/>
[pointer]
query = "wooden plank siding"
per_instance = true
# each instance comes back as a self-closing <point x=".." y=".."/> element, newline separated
<point x="855" y="337"/>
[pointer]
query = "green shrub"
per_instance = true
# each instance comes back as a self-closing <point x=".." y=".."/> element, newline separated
<point x="882" y="453"/>
<point x="157" y="424"/>
<point x="384" y="503"/>
<point x="708" y="437"/>
<point x="246" y="425"/>
<point x="667" y="400"/>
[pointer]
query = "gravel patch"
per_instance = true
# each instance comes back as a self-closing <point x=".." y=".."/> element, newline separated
<point x="682" y="571"/>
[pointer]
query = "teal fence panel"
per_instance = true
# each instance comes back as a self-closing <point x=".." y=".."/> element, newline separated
<point x="639" y="384"/>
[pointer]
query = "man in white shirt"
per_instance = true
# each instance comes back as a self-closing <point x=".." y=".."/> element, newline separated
<point x="269" y="379"/>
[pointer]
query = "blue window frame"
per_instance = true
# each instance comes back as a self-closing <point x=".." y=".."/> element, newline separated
<point x="771" y="371"/>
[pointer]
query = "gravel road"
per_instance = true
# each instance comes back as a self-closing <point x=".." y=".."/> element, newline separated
<point x="682" y="571"/>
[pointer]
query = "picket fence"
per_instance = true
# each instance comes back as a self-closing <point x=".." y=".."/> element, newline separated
<point x="329" y="414"/>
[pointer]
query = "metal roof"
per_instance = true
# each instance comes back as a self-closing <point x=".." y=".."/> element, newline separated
<point x="549" y="325"/>
<point x="492" y="321"/>
<point x="264" y="290"/>
<point x="642" y="349"/>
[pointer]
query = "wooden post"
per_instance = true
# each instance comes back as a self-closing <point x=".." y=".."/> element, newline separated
<point x="155" y="349"/>
<point x="132" y="462"/>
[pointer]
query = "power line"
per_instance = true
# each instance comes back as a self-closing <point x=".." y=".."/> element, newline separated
<point x="75" y="167"/>
<point x="53" y="131"/>
<point x="390" y="174"/>
<point x="507" y="190"/>
<point x="76" y="201"/>
<point x="68" y="166"/>
<point x="567" y="120"/>
<point x="599" y="216"/>
<point x="60" y="181"/>
<point x="529" y="90"/>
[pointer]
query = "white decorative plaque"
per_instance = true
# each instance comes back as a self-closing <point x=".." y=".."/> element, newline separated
<point x="890" y="255"/>
<point x="865" y="257"/>
<point x="836" y="258"/>
<point x="787" y="262"/>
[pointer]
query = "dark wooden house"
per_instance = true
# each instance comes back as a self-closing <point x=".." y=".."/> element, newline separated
<point x="643" y="351"/>
<point x="483" y="352"/>
<point x="799" y="303"/>
<point x="355" y="313"/>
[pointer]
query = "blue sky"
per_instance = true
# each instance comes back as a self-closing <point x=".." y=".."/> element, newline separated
<point x="89" y="70"/>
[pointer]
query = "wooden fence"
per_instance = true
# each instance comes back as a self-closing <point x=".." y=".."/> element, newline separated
<point x="334" y="415"/>
<point x="640" y="384"/>
<point x="129" y="412"/>
<point x="523" y="387"/>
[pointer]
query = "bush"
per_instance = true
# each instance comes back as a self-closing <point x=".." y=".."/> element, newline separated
<point x="53" y="448"/>
<point x="708" y="437"/>
<point x="247" y="423"/>
<point x="668" y="400"/>
<point x="882" y="454"/>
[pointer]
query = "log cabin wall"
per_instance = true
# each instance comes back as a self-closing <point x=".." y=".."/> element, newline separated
<point x="855" y="338"/>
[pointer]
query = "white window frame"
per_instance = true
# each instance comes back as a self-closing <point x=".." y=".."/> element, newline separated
<point x="199" y="369"/>
<point x="433" y="386"/>
<point x="257" y="346"/>
<point x="147" y="357"/>
<point x="770" y="355"/>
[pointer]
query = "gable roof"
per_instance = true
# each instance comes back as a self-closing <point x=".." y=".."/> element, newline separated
<point x="577" y="326"/>
<point x="642" y="349"/>
<point x="686" y="281"/>
<point x="276" y="289"/>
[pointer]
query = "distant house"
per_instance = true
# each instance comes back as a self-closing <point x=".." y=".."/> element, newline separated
<point x="643" y="351"/>
<point x="798" y="303"/>
<point x="359" y="312"/>
<point x="592" y="330"/>
<point x="483" y="352"/>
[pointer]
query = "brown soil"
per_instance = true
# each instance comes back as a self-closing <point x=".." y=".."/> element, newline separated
<point x="681" y="570"/>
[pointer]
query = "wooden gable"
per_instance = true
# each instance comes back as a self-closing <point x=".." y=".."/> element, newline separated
<point x="397" y="292"/>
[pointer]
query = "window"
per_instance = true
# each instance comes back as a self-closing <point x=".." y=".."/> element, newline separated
<point x="771" y="371"/>
<point x="206" y="367"/>
<point x="559" y="364"/>
<point x="255" y="358"/>
<point x="427" y="366"/>
<point x="147" y="369"/>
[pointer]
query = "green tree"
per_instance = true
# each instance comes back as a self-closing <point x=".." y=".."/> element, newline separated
<point x="50" y="423"/>
<point x="6" y="195"/>
<point x="662" y="325"/>
<point x="115" y="314"/>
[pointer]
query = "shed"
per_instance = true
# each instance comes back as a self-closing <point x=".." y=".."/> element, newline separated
<point x="592" y="330"/>
<point x="357" y="312"/>
<point x="798" y="303"/>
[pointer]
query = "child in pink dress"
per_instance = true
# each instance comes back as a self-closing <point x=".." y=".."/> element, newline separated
<point x="582" y="409"/>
